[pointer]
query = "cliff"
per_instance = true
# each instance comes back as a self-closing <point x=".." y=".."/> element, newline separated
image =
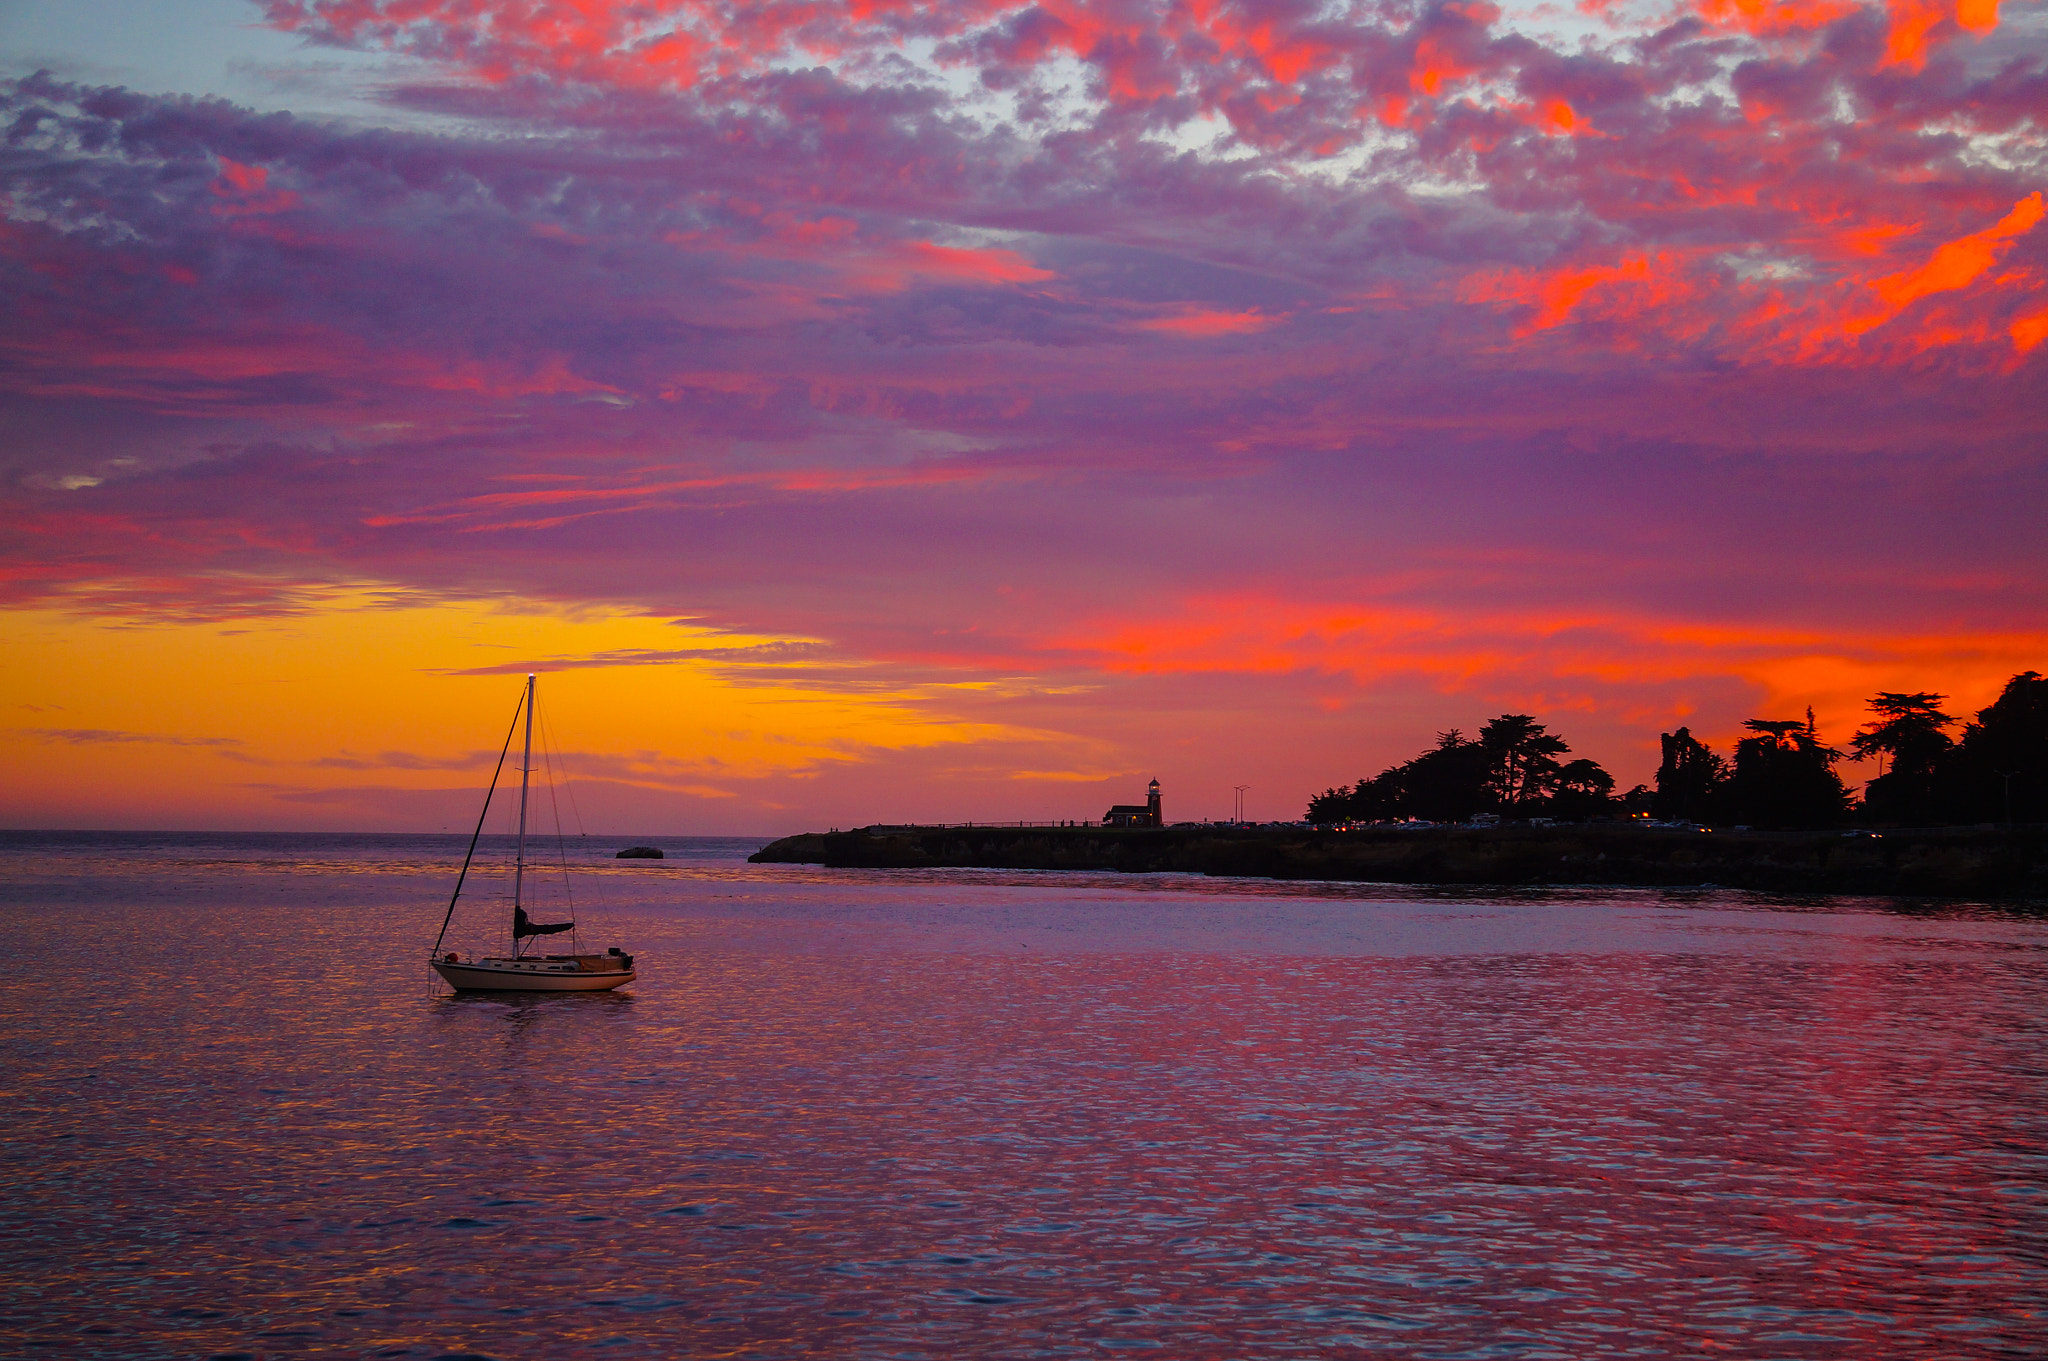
<point x="1942" y="862"/>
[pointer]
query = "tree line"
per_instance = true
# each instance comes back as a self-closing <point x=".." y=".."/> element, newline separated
<point x="1780" y="775"/>
<point x="1511" y="768"/>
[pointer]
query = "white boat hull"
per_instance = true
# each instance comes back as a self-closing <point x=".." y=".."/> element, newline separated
<point x="532" y="975"/>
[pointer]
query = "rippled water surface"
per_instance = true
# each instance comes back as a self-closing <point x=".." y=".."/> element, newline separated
<point x="967" y="1114"/>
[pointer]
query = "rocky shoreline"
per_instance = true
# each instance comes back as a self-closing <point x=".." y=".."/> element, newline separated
<point x="1981" y="862"/>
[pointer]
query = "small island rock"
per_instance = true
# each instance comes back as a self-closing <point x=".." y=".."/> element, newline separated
<point x="639" y="853"/>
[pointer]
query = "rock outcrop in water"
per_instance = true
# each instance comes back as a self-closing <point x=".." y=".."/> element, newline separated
<point x="1947" y="862"/>
<point x="639" y="853"/>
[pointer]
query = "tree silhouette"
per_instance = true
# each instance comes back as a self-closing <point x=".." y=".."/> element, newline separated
<point x="1909" y="731"/>
<point x="1785" y="776"/>
<point x="1582" y="789"/>
<point x="1691" y="781"/>
<point x="1445" y="784"/>
<point x="1511" y="767"/>
<point x="1999" y="770"/>
<point x="1332" y="805"/>
<point x="1782" y="774"/>
<point x="1521" y="760"/>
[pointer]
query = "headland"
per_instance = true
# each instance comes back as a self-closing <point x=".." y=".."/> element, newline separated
<point x="1948" y="862"/>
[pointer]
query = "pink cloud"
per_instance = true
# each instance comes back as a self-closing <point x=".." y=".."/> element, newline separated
<point x="1201" y="324"/>
<point x="246" y="189"/>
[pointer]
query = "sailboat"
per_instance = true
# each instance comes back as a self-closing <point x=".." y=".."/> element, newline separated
<point x="522" y="970"/>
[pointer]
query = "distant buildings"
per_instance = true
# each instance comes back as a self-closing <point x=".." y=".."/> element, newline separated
<point x="1137" y="815"/>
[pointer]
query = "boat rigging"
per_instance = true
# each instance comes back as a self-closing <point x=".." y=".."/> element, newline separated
<point x="521" y="971"/>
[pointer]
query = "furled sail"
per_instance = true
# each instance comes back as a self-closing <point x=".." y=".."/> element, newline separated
<point x="524" y="926"/>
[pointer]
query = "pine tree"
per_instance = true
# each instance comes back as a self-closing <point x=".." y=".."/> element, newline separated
<point x="1908" y="730"/>
<point x="1521" y="762"/>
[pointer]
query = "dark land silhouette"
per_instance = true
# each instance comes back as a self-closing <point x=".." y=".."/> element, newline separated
<point x="1782" y="775"/>
<point x="1511" y="769"/>
<point x="1950" y="817"/>
<point x="1977" y="863"/>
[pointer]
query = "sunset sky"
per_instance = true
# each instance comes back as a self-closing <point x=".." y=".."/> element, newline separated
<point x="904" y="410"/>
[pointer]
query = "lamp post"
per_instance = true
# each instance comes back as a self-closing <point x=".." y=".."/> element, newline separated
<point x="1238" y="817"/>
<point x="2007" y="775"/>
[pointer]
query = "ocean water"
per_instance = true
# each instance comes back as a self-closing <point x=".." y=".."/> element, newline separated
<point x="975" y="1114"/>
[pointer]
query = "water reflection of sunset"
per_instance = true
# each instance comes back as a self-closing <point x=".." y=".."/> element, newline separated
<point x="953" y="1114"/>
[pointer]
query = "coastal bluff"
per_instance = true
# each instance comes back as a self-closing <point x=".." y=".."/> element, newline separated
<point x="1979" y="862"/>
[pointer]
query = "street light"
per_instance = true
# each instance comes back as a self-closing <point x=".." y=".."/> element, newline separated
<point x="2007" y="775"/>
<point x="1239" y="788"/>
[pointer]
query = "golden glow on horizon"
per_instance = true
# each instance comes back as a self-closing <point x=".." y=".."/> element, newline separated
<point x="375" y="710"/>
<point x="135" y="723"/>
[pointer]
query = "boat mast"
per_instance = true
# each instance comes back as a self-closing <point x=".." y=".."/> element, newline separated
<point x="477" y="835"/>
<point x="525" y="778"/>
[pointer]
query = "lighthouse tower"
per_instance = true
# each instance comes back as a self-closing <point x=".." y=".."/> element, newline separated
<point x="1152" y="805"/>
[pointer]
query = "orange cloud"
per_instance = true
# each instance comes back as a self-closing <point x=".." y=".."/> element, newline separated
<point x="1913" y="26"/>
<point x="1960" y="262"/>
<point x="1556" y="116"/>
<point x="1977" y="16"/>
<point x="1391" y="110"/>
<point x="1955" y="265"/>
<point x="2030" y="330"/>
<point x="1628" y="291"/>
<point x="1673" y="297"/>
<point x="1436" y="63"/>
<point x="1577" y="659"/>
<point x="1915" y="22"/>
<point x="1867" y="238"/>
<point x="1562" y="292"/>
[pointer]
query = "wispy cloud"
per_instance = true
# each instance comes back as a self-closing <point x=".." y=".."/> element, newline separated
<point x="406" y="760"/>
<point x="757" y="654"/>
<point x="101" y="735"/>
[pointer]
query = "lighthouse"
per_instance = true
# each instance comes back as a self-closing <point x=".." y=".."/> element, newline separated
<point x="1134" y="814"/>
